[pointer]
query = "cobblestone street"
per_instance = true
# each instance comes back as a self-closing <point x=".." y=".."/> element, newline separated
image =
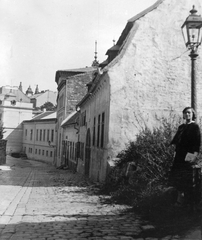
<point x="40" y="202"/>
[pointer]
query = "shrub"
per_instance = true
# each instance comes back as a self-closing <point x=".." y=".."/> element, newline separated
<point x="152" y="156"/>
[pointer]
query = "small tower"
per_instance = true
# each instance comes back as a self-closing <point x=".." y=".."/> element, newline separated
<point x="20" y="86"/>
<point x="95" y="62"/>
<point x="29" y="92"/>
<point x="36" y="90"/>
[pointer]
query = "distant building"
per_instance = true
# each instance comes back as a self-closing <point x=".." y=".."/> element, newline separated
<point x="39" y="137"/>
<point x="13" y="93"/>
<point x="15" y="107"/>
<point x="39" y="98"/>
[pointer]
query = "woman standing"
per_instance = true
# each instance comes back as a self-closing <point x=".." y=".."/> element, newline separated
<point x="186" y="140"/>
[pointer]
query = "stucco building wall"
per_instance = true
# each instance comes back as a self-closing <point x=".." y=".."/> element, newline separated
<point x="35" y="143"/>
<point x="12" y="117"/>
<point x="95" y="106"/>
<point x="151" y="76"/>
<point x="69" y="153"/>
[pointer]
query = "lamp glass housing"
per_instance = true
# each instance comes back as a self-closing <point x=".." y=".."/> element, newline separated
<point x="192" y="30"/>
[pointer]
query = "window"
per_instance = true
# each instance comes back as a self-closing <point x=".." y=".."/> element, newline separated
<point x="44" y="135"/>
<point x="52" y="135"/>
<point x="81" y="151"/>
<point x="73" y="156"/>
<point x="48" y="131"/>
<point x="94" y="131"/>
<point x="98" y="131"/>
<point x="83" y="118"/>
<point x="31" y="134"/>
<point x="25" y="133"/>
<point x="35" y="151"/>
<point x="37" y="134"/>
<point x="39" y="151"/>
<point x="40" y="137"/>
<point x="46" y="153"/>
<point x="102" y="129"/>
<point x="42" y="152"/>
<point x="51" y="153"/>
<point x="61" y="100"/>
<point x="70" y="150"/>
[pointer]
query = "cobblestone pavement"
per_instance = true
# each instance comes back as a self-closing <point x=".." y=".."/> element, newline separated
<point x="40" y="202"/>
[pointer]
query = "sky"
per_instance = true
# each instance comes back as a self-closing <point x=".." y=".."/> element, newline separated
<point x="39" y="37"/>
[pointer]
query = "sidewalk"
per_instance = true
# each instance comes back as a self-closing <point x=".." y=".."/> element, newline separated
<point x="40" y="202"/>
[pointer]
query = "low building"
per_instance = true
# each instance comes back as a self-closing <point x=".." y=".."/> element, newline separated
<point x="70" y="144"/>
<point x="39" y="137"/>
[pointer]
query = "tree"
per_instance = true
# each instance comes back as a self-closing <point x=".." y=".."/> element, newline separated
<point x="48" y="106"/>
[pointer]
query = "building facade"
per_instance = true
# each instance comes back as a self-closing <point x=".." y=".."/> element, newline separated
<point x="15" y="107"/>
<point x="146" y="76"/>
<point x="39" y="137"/>
<point x="71" y="88"/>
<point x="39" y="98"/>
<point x="70" y="144"/>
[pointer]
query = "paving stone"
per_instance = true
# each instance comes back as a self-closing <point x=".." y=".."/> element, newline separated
<point x="44" y="203"/>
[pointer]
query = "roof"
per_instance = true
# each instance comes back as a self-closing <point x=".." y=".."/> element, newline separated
<point x="86" y="69"/>
<point x="42" y="115"/>
<point x="74" y="72"/>
<point x="51" y="115"/>
<point x="41" y="93"/>
<point x="114" y="48"/>
<point x="121" y="41"/>
<point x="45" y="116"/>
<point x="70" y="119"/>
<point x="132" y="20"/>
<point x="36" y="95"/>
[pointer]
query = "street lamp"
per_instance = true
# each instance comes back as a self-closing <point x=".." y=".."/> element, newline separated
<point x="192" y="34"/>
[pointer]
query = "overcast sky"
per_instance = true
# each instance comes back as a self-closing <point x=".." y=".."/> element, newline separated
<point x="39" y="37"/>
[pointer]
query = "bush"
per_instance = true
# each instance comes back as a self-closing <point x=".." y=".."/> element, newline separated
<point x="152" y="156"/>
<point x="1" y="130"/>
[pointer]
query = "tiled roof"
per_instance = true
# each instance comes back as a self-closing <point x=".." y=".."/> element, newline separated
<point x="45" y="116"/>
<point x="52" y="115"/>
<point x="73" y="72"/>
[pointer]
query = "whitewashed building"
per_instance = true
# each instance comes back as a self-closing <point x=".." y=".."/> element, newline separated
<point x="15" y="107"/>
<point x="39" y="137"/>
<point x="147" y="75"/>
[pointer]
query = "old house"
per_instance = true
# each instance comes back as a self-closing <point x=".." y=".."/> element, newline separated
<point x="39" y="137"/>
<point x="71" y="88"/>
<point x="70" y="143"/>
<point x="146" y="76"/>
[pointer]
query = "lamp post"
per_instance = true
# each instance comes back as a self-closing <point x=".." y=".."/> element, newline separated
<point x="192" y="34"/>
